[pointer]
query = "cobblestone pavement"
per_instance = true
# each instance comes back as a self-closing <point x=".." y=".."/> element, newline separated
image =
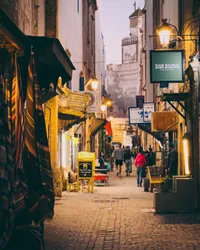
<point x="119" y="216"/>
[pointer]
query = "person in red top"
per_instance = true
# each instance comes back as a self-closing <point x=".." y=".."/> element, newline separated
<point x="140" y="162"/>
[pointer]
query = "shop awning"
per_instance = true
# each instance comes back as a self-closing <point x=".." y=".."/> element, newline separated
<point x="72" y="103"/>
<point x="146" y="127"/>
<point x="72" y="108"/>
<point x="179" y="98"/>
<point x="11" y="36"/>
<point x="52" y="61"/>
<point x="166" y="121"/>
<point x="72" y="123"/>
<point x="96" y="124"/>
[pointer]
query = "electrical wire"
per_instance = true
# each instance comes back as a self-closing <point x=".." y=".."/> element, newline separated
<point x="98" y="61"/>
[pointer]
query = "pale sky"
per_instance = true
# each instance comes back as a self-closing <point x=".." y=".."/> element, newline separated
<point x="115" y="25"/>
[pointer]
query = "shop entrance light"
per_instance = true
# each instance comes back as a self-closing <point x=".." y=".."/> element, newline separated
<point x="187" y="151"/>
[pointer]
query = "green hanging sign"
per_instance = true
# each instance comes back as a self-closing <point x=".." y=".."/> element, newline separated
<point x="166" y="66"/>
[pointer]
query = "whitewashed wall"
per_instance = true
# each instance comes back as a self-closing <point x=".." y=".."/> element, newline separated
<point x="99" y="56"/>
<point x="148" y="29"/>
<point x="123" y="83"/>
<point x="69" y="18"/>
<point x="170" y="11"/>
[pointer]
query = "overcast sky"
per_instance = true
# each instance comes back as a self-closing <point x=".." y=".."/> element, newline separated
<point x="115" y="25"/>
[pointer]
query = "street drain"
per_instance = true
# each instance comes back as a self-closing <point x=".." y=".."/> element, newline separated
<point x="104" y="201"/>
<point x="121" y="198"/>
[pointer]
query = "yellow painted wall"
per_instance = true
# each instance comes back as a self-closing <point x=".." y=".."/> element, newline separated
<point x="51" y="119"/>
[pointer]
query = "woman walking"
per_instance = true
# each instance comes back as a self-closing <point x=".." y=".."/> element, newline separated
<point x="140" y="162"/>
<point x="128" y="161"/>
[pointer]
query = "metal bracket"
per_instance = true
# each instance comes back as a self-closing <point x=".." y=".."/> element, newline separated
<point x="184" y="117"/>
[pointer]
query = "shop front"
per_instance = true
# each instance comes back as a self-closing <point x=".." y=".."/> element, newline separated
<point x="97" y="135"/>
<point x="171" y="197"/>
<point x="27" y="66"/>
<point x="30" y="67"/>
<point x="72" y="114"/>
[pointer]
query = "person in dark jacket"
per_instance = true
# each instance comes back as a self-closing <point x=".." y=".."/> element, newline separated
<point x="172" y="160"/>
<point x="150" y="157"/>
<point x="128" y="161"/>
<point x="102" y="162"/>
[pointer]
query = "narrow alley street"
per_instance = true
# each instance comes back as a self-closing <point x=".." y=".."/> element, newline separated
<point x="119" y="216"/>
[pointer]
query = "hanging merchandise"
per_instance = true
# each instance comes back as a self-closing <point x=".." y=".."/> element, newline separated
<point x="16" y="126"/>
<point x="108" y="128"/>
<point x="6" y="172"/>
<point x="36" y="152"/>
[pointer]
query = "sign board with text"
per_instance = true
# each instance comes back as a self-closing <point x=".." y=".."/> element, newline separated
<point x="148" y="108"/>
<point x="135" y="115"/>
<point x="166" y="66"/>
<point x="139" y="101"/>
<point x="85" y="170"/>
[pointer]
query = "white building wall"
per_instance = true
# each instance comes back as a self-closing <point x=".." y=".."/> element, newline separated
<point x="148" y="29"/>
<point x="41" y="18"/>
<point x="69" y="18"/>
<point x="123" y="80"/>
<point x="123" y="83"/>
<point x="170" y="11"/>
<point x="99" y="57"/>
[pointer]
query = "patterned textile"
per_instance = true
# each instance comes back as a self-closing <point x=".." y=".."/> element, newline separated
<point x="6" y="174"/>
<point x="36" y="153"/>
<point x="16" y="125"/>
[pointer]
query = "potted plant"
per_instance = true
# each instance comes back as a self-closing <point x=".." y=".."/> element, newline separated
<point x="166" y="184"/>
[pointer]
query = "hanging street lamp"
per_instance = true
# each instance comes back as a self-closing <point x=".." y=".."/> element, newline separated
<point x="165" y="31"/>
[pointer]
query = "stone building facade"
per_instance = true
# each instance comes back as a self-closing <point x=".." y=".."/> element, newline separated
<point x="89" y="8"/>
<point x="123" y="80"/>
<point x="23" y="13"/>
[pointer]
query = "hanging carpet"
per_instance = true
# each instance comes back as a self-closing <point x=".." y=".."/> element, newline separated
<point x="7" y="172"/>
<point x="36" y="153"/>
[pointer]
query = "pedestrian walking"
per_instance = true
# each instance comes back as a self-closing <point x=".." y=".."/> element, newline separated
<point x="140" y="163"/>
<point x="119" y="156"/>
<point x="128" y="161"/>
<point x="102" y="162"/>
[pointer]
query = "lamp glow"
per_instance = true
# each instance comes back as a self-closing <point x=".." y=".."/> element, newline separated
<point x="164" y="37"/>
<point x="164" y="32"/>
<point x="94" y="83"/>
<point x="186" y="151"/>
<point x="63" y="153"/>
<point x="103" y="107"/>
<point x="109" y="103"/>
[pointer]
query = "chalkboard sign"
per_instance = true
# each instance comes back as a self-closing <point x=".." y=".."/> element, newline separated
<point x="85" y="169"/>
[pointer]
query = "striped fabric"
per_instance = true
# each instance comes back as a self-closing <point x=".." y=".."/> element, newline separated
<point x="6" y="174"/>
<point x="36" y="156"/>
<point x="16" y="126"/>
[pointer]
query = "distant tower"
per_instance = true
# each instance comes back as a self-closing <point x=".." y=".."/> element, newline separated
<point x="131" y="44"/>
<point x="134" y="6"/>
<point x="135" y="21"/>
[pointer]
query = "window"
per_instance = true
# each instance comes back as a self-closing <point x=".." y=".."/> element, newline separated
<point x="78" y="5"/>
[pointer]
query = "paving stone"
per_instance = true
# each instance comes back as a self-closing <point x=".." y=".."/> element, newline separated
<point x="130" y="223"/>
